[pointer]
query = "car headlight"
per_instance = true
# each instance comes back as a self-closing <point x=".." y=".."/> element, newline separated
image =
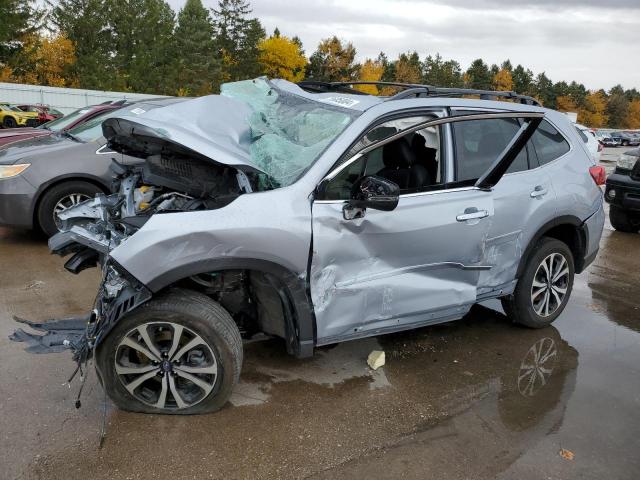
<point x="626" y="162"/>
<point x="8" y="171"/>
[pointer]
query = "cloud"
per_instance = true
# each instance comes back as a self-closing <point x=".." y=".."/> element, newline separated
<point x="585" y="40"/>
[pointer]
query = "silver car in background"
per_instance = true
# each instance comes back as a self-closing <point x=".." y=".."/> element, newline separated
<point x="319" y="214"/>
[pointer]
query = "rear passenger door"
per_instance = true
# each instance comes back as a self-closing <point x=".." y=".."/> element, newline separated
<point x="524" y="199"/>
<point x="417" y="264"/>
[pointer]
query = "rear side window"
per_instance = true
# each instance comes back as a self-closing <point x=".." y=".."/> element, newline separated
<point x="583" y="136"/>
<point x="549" y="143"/>
<point x="478" y="143"/>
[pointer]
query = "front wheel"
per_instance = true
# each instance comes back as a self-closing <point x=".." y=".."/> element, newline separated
<point x="180" y="353"/>
<point x="544" y="288"/>
<point x="60" y="197"/>
<point x="9" y="122"/>
<point x="623" y="221"/>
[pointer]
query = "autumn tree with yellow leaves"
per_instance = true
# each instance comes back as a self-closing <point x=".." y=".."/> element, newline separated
<point x="503" y="81"/>
<point x="46" y="61"/>
<point x="370" y="71"/>
<point x="633" y="117"/>
<point x="593" y="113"/>
<point x="565" y="103"/>
<point x="281" y="57"/>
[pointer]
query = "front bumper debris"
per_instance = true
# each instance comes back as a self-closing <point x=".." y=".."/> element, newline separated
<point x="59" y="335"/>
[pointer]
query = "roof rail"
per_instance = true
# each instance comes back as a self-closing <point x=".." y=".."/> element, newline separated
<point x="324" y="87"/>
<point x="416" y="90"/>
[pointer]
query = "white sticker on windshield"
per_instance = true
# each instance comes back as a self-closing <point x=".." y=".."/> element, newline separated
<point x="138" y="111"/>
<point x="341" y="101"/>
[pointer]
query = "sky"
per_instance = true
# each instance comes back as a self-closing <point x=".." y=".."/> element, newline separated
<point x="593" y="42"/>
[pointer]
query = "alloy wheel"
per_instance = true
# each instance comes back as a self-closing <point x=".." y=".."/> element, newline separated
<point x="550" y="284"/>
<point x="67" y="201"/>
<point x="166" y="365"/>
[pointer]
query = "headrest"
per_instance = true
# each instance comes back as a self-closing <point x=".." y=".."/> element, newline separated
<point x="398" y="154"/>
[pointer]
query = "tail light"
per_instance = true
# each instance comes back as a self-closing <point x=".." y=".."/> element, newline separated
<point x="598" y="174"/>
<point x="600" y="147"/>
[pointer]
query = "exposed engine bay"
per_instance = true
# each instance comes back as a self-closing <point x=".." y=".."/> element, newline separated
<point x="163" y="184"/>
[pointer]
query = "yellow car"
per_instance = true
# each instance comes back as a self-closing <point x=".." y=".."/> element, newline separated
<point x="11" y="117"/>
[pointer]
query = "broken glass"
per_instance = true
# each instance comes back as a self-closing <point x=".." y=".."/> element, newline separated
<point x="288" y="131"/>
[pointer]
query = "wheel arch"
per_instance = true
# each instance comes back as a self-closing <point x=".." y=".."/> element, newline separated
<point x="569" y="230"/>
<point x="292" y="289"/>
<point x="54" y="182"/>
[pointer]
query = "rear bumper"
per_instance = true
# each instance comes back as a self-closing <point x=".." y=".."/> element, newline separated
<point x="627" y="192"/>
<point x="16" y="197"/>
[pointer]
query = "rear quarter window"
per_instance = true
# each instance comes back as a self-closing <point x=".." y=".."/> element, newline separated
<point x="549" y="143"/>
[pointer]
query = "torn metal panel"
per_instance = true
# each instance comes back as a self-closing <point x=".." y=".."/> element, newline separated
<point x="393" y="268"/>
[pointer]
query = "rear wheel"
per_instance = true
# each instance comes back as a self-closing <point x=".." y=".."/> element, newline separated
<point x="59" y="198"/>
<point x="9" y="122"/>
<point x="544" y="288"/>
<point x="623" y="220"/>
<point x="180" y="353"/>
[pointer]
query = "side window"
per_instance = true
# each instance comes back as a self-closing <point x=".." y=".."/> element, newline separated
<point x="478" y="143"/>
<point x="413" y="162"/>
<point x="549" y="143"/>
<point x="583" y="136"/>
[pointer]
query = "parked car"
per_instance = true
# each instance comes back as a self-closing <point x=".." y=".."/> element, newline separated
<point x="318" y="214"/>
<point x="45" y="113"/>
<point x="47" y="174"/>
<point x="589" y="138"/>
<point x="623" y="193"/>
<point x="12" y="117"/>
<point x="625" y="139"/>
<point x="608" y="141"/>
<point x="68" y="122"/>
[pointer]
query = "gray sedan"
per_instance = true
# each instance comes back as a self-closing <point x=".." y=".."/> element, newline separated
<point x="41" y="177"/>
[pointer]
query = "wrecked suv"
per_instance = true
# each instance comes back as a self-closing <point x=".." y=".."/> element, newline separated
<point x="318" y="214"/>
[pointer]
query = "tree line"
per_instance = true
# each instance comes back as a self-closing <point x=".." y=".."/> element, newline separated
<point x="144" y="46"/>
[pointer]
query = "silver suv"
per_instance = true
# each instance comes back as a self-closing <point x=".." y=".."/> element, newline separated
<point x="319" y="214"/>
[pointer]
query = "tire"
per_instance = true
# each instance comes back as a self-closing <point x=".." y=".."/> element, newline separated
<point x="9" y="122"/>
<point x="623" y="221"/>
<point x="68" y="190"/>
<point x="196" y="315"/>
<point x="528" y="306"/>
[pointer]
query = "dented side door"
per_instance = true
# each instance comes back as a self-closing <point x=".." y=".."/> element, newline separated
<point x="415" y="265"/>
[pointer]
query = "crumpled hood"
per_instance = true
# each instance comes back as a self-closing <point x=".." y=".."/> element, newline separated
<point x="214" y="127"/>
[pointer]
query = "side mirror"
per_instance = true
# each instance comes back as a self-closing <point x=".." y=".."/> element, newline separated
<point x="372" y="192"/>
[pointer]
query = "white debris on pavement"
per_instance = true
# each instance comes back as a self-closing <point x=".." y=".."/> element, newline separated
<point x="376" y="359"/>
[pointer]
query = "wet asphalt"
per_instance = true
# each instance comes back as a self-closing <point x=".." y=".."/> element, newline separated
<point x="456" y="401"/>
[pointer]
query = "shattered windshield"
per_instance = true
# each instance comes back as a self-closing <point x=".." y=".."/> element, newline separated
<point x="288" y="132"/>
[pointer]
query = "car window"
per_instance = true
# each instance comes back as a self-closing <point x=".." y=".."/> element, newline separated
<point x="413" y="161"/>
<point x="584" y="138"/>
<point x="478" y="143"/>
<point x="549" y="143"/>
<point x="63" y="122"/>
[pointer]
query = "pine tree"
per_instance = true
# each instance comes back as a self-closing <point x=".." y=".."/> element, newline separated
<point x="142" y="33"/>
<point x="196" y="68"/>
<point x="522" y="80"/>
<point x="18" y="18"/>
<point x="85" y="23"/>
<point x="237" y="37"/>
<point x="441" y="73"/>
<point x="478" y="75"/>
<point x="333" y="62"/>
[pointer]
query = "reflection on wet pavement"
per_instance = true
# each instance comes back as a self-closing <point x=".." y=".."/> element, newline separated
<point x="477" y="398"/>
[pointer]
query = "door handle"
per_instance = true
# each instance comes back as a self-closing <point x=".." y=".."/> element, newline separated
<point x="472" y="214"/>
<point x="539" y="191"/>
